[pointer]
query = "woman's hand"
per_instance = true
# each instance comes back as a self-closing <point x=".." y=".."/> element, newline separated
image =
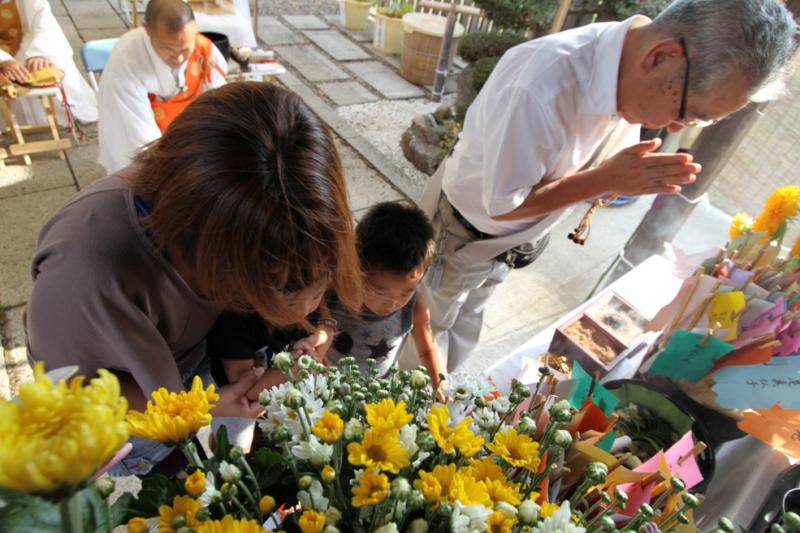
<point x="32" y="64"/>
<point x="233" y="400"/>
<point x="14" y="71"/>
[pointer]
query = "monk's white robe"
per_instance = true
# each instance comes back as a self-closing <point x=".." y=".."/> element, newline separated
<point x="43" y="37"/>
<point x="126" y="119"/>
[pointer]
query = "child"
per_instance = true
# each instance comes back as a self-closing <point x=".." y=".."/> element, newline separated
<point x="395" y="244"/>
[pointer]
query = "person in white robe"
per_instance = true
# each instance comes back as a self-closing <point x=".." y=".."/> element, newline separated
<point x="42" y="43"/>
<point x="148" y="68"/>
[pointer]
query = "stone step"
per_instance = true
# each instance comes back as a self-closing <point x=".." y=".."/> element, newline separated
<point x="273" y="32"/>
<point x="385" y="80"/>
<point x="337" y="45"/>
<point x="306" y="22"/>
<point x="347" y="92"/>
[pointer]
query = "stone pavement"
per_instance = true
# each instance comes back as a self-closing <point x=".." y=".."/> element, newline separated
<point x="335" y="71"/>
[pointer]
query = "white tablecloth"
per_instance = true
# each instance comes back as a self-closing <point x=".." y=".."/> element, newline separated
<point x="237" y="27"/>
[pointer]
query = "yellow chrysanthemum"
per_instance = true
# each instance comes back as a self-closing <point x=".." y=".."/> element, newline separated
<point x="173" y="418"/>
<point x="372" y="489"/>
<point x="311" y="521"/>
<point x="181" y="506"/>
<point x="137" y="525"/>
<point x="503" y="491"/>
<point x="54" y="437"/>
<point x="266" y="504"/>
<point x="796" y="248"/>
<point x="328" y="427"/>
<point x="195" y="484"/>
<point x="229" y="524"/>
<point x="547" y="509"/>
<point x="499" y="523"/>
<point x="378" y="450"/>
<point x="742" y="223"/>
<point x="437" y="485"/>
<point x="386" y="415"/>
<point x="516" y="449"/>
<point x="328" y="474"/>
<point x="468" y="490"/>
<point x="449" y="438"/>
<point x="781" y="205"/>
<point x="487" y="468"/>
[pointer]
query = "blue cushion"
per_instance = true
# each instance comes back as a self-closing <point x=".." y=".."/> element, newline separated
<point x="95" y="53"/>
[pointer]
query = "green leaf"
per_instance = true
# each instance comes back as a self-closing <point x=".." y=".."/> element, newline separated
<point x="156" y="491"/>
<point x="118" y="511"/>
<point x="222" y="448"/>
<point x="24" y="513"/>
<point x="268" y="466"/>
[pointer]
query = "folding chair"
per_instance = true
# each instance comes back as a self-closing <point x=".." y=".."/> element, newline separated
<point x="95" y="56"/>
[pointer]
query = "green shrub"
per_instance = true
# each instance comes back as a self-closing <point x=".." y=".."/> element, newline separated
<point x="622" y="9"/>
<point x="520" y="15"/>
<point x="476" y="45"/>
<point x="483" y="67"/>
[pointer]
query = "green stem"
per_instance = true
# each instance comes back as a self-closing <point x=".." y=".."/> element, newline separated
<point x="246" y="466"/>
<point x="71" y="515"/>
<point x="241" y="508"/>
<point x="190" y="451"/>
<point x="250" y="497"/>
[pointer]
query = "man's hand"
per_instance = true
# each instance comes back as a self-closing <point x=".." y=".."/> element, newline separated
<point x="232" y="400"/>
<point x="14" y="71"/>
<point x="36" y="63"/>
<point x="638" y="170"/>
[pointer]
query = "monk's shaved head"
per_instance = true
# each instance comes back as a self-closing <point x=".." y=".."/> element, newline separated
<point x="172" y="15"/>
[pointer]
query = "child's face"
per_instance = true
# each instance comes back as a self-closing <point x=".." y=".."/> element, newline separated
<point x="386" y="292"/>
<point x="305" y="301"/>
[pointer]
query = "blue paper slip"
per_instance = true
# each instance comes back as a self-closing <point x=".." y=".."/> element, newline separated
<point x="760" y="386"/>
<point x="689" y="356"/>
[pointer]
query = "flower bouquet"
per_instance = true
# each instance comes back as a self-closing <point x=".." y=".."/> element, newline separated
<point x="346" y="452"/>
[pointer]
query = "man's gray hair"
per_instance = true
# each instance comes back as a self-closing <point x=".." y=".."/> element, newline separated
<point x="173" y="14"/>
<point x="753" y="37"/>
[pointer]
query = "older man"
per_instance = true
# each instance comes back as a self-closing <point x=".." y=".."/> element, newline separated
<point x="558" y="122"/>
<point x="31" y="39"/>
<point x="152" y="75"/>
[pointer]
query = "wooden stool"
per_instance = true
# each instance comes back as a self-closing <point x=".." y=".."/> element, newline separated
<point x="47" y="96"/>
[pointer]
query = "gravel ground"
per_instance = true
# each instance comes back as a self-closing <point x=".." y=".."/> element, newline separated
<point x="299" y="7"/>
<point x="383" y="123"/>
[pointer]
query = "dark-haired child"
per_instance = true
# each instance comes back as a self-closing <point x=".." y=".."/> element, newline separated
<point x="395" y="245"/>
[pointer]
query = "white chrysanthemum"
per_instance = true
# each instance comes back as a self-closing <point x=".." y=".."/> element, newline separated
<point x="420" y="459"/>
<point x="315" y="386"/>
<point x="559" y="522"/>
<point x="418" y="526"/>
<point x="468" y="518"/>
<point x="408" y="439"/>
<point x="210" y="493"/>
<point x="528" y="512"/>
<point x="313" y="450"/>
<point x="230" y="473"/>
<point x="458" y="411"/>
<point x="391" y="527"/>
<point x="353" y="428"/>
<point x="313" y="498"/>
<point x="501" y="404"/>
<point x="486" y="419"/>
<point x="464" y="387"/>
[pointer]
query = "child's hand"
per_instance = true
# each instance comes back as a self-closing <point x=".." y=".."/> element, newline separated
<point x="268" y="379"/>
<point x="315" y="345"/>
<point x="438" y="387"/>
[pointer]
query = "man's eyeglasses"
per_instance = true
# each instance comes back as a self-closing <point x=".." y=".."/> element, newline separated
<point x="697" y="123"/>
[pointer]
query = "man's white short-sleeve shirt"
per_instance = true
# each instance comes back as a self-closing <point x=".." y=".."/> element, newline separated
<point x="547" y="110"/>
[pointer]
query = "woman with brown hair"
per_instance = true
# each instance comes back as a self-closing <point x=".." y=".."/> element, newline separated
<point x="240" y="206"/>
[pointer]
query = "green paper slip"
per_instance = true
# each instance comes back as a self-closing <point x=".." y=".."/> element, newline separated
<point x="688" y="357"/>
<point x="601" y="396"/>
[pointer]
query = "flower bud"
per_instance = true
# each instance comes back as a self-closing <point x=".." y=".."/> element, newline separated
<point x="230" y="473"/>
<point x="425" y="441"/>
<point x="605" y="497"/>
<point x="646" y="510"/>
<point x="348" y="399"/>
<point x="726" y="525"/>
<point x="505" y="508"/>
<point x="137" y="525"/>
<point x="405" y="375"/>
<point x="401" y="488"/>
<point x="266" y="504"/>
<point x="391" y="527"/>
<point x="563" y="439"/>
<point x="596" y="472"/>
<point x="304" y="361"/>
<point x="404" y="398"/>
<point x="178" y="522"/>
<point x="383" y="394"/>
<point x="418" y="526"/>
<point x="527" y="426"/>
<point x="332" y="515"/>
<point x="791" y="521"/>
<point x="418" y="379"/>
<point x="776" y="528"/>
<point x="480" y="402"/>
<point x="203" y="514"/>
<point x="280" y="434"/>
<point x="353" y="429"/>
<point x="677" y="483"/>
<point x="335" y="407"/>
<point x="683" y="519"/>
<point x="515" y="398"/>
<point x="528" y="512"/>
<point x="373" y="386"/>
<point x="347" y="361"/>
<point x="607" y="523"/>
<point x="236" y="453"/>
<point x="264" y="397"/>
<point x="328" y="474"/>
<point x="416" y="500"/>
<point x="104" y="485"/>
<point x="294" y="399"/>
<point x="445" y="510"/>
<point x="561" y="411"/>
<point x="359" y="396"/>
<point x="303" y="373"/>
<point x="621" y="496"/>
<point x="229" y="491"/>
<point x="305" y="482"/>
<point x="690" y="500"/>
<point x="283" y="362"/>
<point x="331" y="529"/>
<point x="317" y="367"/>
<point x="344" y="388"/>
